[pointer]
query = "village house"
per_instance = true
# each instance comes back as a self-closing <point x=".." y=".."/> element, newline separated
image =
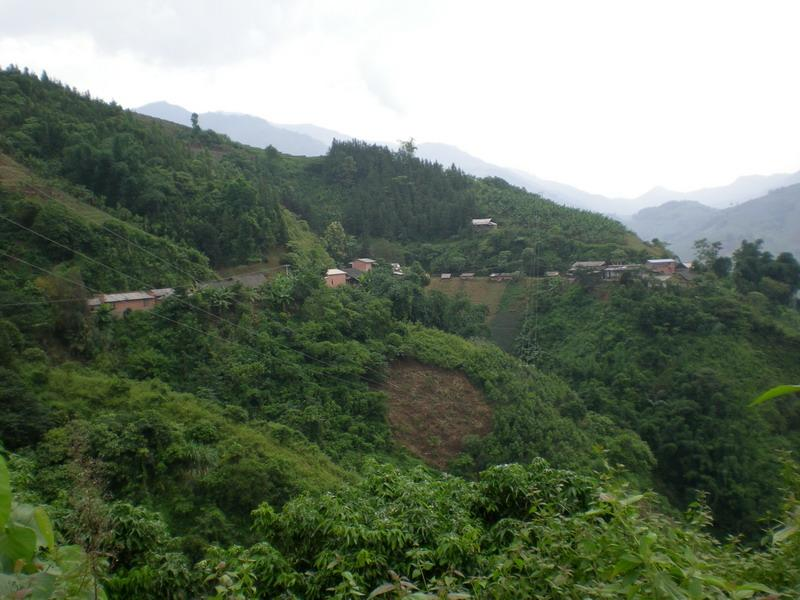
<point x="122" y="302"/>
<point x="335" y="278"/>
<point x="615" y="272"/>
<point x="662" y="266"/>
<point x="501" y="276"/>
<point x="446" y="275"/>
<point x="362" y="264"/>
<point x="588" y="265"/>
<point x="467" y="276"/>
<point x="353" y="275"/>
<point x="483" y="224"/>
<point x="397" y="269"/>
<point x="551" y="273"/>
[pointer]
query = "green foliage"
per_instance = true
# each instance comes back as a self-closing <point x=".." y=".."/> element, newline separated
<point x="519" y="531"/>
<point x="678" y="366"/>
<point x="32" y="565"/>
<point x="757" y="270"/>
<point x="212" y="195"/>
<point x="776" y="392"/>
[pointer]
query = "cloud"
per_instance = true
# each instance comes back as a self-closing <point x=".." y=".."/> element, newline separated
<point x="378" y="79"/>
<point x="180" y="33"/>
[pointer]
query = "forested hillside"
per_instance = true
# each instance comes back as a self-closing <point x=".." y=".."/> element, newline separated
<point x="679" y="366"/>
<point x="233" y="441"/>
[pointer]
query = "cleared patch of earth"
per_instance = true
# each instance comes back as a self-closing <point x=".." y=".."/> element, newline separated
<point x="432" y="410"/>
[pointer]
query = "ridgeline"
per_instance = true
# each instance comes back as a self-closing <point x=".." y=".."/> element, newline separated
<point x="290" y="439"/>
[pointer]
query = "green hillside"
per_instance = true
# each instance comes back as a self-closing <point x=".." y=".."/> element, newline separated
<point x="271" y="441"/>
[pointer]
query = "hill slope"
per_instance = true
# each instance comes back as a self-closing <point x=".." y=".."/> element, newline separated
<point x="775" y="218"/>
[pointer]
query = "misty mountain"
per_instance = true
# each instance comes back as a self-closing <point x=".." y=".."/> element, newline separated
<point x="312" y="140"/>
<point x="245" y="129"/>
<point x="743" y="189"/>
<point x="774" y="217"/>
<point x="558" y="192"/>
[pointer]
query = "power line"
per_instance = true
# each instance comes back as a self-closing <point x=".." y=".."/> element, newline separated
<point x="42" y="302"/>
<point x="195" y="329"/>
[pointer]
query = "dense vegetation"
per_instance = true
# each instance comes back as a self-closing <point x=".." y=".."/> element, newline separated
<point x="233" y="442"/>
<point x="172" y="181"/>
<point x="405" y="209"/>
<point x="678" y="365"/>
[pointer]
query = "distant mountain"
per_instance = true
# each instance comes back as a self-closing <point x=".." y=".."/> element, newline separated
<point x="311" y="140"/>
<point x="552" y="190"/>
<point x="245" y="129"/>
<point x="774" y="217"/>
<point x="326" y="136"/>
<point x="741" y="190"/>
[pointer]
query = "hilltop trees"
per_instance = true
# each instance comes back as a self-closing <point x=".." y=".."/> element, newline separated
<point x="222" y="205"/>
<point x="757" y="270"/>
<point x="708" y="258"/>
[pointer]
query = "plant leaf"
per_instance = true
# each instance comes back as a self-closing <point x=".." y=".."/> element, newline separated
<point x="781" y="390"/>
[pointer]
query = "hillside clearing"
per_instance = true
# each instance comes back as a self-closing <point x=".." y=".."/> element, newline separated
<point x="432" y="410"/>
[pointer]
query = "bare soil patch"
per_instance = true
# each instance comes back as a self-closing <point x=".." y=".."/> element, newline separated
<point x="432" y="410"/>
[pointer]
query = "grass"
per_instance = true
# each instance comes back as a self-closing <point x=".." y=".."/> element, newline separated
<point x="507" y="302"/>
<point x="15" y="177"/>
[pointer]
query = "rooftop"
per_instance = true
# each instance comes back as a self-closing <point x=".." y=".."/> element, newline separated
<point x="330" y="272"/>
<point x="588" y="264"/>
<point x="660" y="261"/>
<point x="365" y="260"/>
<point x="482" y="221"/>
<point x="162" y="292"/>
<point x="126" y="296"/>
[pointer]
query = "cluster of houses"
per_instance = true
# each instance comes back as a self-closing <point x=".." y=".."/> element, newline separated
<point x="658" y="269"/>
<point x="121" y="302"/>
<point x="353" y="274"/>
<point x="492" y="276"/>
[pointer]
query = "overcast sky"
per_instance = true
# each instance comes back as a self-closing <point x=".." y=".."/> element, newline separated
<point x="614" y="97"/>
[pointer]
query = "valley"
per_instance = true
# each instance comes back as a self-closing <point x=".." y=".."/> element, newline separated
<point x="257" y="433"/>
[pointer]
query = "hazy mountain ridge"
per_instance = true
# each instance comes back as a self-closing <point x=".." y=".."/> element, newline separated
<point x="774" y="217"/>
<point x="242" y="128"/>
<point x="311" y="140"/>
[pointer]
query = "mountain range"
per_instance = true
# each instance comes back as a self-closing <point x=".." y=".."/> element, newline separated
<point x="774" y="217"/>
<point x="754" y="206"/>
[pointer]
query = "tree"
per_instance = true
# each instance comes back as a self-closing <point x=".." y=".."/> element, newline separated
<point x="195" y="122"/>
<point x="407" y="147"/>
<point x="529" y="261"/>
<point x="336" y="241"/>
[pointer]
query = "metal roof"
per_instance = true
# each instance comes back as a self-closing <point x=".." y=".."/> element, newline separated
<point x="330" y="272"/>
<point x="366" y="260"/>
<point x="162" y="292"/>
<point x="482" y="221"/>
<point x="588" y="264"/>
<point x="126" y="296"/>
<point x="660" y="261"/>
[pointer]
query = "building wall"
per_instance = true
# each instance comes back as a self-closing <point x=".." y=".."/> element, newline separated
<point x="335" y="280"/>
<point x="121" y="307"/>
<point x="362" y="266"/>
<point x="664" y="269"/>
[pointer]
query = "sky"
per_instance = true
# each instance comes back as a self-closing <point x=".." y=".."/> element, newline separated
<point x="613" y="97"/>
